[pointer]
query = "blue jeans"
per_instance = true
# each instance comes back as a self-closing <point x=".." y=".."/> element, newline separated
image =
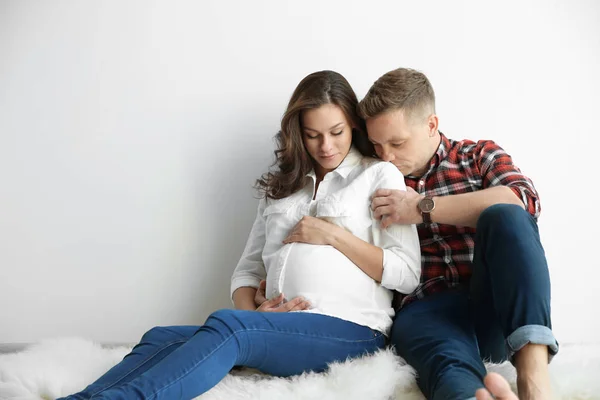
<point x="182" y="362"/>
<point x="446" y="335"/>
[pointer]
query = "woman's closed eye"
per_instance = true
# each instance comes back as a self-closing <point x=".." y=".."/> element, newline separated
<point x="308" y="135"/>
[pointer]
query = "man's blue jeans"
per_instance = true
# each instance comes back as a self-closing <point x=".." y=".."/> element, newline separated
<point x="182" y="362"/>
<point x="445" y="336"/>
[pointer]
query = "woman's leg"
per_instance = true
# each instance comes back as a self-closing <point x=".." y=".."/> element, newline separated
<point x="154" y="346"/>
<point x="281" y="344"/>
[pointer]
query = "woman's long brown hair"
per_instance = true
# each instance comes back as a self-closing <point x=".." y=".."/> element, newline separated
<point x="292" y="161"/>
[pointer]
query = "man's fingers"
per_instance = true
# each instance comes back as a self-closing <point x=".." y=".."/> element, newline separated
<point x="379" y="201"/>
<point x="382" y="193"/>
<point x="381" y="211"/>
<point x="386" y="221"/>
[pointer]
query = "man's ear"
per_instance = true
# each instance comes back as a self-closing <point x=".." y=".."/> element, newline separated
<point x="432" y="124"/>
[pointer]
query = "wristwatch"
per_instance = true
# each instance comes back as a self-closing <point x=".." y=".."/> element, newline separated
<point x="426" y="206"/>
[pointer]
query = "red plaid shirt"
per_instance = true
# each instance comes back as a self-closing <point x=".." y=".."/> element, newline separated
<point x="460" y="167"/>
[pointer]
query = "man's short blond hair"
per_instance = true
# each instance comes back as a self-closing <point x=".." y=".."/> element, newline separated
<point x="402" y="88"/>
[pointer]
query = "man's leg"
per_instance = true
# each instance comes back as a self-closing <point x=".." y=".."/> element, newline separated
<point x="435" y="336"/>
<point x="510" y="293"/>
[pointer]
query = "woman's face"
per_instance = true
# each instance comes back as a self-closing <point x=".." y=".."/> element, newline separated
<point x="327" y="136"/>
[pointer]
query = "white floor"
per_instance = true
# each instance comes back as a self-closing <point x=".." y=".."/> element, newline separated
<point x="59" y="367"/>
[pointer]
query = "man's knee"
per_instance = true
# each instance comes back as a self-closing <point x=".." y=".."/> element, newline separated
<point x="507" y="217"/>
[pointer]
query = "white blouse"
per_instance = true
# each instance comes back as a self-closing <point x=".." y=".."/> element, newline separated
<point x="324" y="276"/>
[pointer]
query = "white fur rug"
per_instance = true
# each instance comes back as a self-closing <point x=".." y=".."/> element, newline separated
<point x="58" y="367"/>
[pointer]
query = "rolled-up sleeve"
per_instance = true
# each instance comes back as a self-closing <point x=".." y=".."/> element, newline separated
<point x="497" y="169"/>
<point x="250" y="270"/>
<point x="400" y="243"/>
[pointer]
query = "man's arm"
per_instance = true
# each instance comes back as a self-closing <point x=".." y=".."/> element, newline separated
<point x="502" y="183"/>
<point x="464" y="209"/>
<point x="399" y="207"/>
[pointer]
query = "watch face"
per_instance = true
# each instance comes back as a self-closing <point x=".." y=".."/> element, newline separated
<point x="426" y="205"/>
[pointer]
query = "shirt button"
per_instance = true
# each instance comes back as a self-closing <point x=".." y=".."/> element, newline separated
<point x="447" y="260"/>
<point x="421" y="183"/>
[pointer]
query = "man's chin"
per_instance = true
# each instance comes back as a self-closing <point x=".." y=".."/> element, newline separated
<point x="403" y="168"/>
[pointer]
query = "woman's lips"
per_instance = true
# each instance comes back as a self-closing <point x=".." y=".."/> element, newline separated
<point x="328" y="157"/>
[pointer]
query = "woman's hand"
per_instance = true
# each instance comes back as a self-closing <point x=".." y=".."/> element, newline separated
<point x="278" y="304"/>
<point x="274" y="305"/>
<point x="261" y="293"/>
<point x="312" y="230"/>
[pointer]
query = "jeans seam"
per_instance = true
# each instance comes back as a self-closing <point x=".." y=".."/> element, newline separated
<point x="232" y="334"/>
<point x="129" y="372"/>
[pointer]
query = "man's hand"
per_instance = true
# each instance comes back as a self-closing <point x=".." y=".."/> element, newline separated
<point x="396" y="207"/>
<point x="278" y="304"/>
<point x="497" y="386"/>
<point x="312" y="230"/>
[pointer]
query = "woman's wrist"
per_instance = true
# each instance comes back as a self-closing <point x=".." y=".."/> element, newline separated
<point x="336" y="236"/>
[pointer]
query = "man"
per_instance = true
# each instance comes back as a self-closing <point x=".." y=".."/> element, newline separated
<point x="485" y="287"/>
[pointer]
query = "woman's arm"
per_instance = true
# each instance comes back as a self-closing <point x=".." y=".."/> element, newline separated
<point x="250" y="272"/>
<point x="366" y="256"/>
<point x="250" y="269"/>
<point x="394" y="257"/>
<point x="243" y="298"/>
<point x="400" y="243"/>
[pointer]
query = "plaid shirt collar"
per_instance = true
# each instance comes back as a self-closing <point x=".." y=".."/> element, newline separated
<point x="438" y="157"/>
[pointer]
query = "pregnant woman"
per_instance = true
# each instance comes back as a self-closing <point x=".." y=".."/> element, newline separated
<point x="316" y="242"/>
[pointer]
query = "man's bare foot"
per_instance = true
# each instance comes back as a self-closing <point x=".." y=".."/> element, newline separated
<point x="533" y="377"/>
<point x="496" y="385"/>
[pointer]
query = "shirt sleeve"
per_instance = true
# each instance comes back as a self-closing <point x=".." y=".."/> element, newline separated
<point x="497" y="169"/>
<point x="250" y="270"/>
<point x="400" y="243"/>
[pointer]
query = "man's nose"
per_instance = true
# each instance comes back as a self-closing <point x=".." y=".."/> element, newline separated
<point x="386" y="154"/>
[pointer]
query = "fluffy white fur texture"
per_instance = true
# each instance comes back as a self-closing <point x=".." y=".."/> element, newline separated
<point x="58" y="367"/>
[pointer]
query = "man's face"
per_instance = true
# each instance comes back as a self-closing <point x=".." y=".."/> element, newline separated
<point x="405" y="142"/>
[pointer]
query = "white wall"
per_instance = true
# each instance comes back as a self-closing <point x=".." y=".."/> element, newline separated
<point x="131" y="134"/>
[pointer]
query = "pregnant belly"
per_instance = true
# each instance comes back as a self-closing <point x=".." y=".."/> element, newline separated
<point x="325" y="277"/>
